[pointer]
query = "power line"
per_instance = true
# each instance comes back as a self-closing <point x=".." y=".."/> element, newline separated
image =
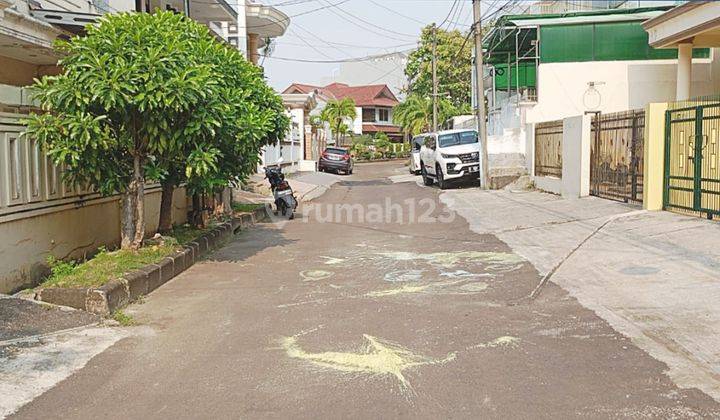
<point x="307" y="12"/>
<point x="335" y="12"/>
<point x="452" y="8"/>
<point x="398" y="13"/>
<point x="302" y="60"/>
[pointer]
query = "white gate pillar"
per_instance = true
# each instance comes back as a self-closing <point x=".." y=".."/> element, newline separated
<point x="576" y="156"/>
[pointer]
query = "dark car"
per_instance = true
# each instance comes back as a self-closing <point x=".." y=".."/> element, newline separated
<point x="336" y="159"/>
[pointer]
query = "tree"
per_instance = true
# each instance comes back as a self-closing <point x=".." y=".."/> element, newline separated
<point x="336" y="112"/>
<point x="225" y="132"/>
<point x="382" y="143"/>
<point x="414" y="115"/>
<point x="108" y="112"/>
<point x="454" y="66"/>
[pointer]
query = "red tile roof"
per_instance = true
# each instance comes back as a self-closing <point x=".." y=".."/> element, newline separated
<point x="369" y="95"/>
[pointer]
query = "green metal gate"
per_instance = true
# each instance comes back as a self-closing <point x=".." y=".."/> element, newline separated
<point x="692" y="176"/>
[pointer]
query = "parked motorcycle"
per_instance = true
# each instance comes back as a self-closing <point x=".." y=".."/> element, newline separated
<point x="285" y="201"/>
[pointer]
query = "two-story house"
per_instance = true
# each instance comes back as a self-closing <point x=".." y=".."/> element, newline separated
<point x="373" y="106"/>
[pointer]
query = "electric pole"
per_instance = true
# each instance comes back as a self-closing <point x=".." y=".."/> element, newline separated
<point x="480" y="94"/>
<point x="434" y="77"/>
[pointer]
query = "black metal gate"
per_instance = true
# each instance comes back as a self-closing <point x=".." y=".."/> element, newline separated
<point x="616" y="156"/>
<point x="692" y="176"/>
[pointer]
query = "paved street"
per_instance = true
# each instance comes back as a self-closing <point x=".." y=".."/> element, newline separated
<point x="342" y="317"/>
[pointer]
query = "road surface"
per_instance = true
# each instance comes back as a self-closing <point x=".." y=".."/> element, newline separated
<point x="346" y="315"/>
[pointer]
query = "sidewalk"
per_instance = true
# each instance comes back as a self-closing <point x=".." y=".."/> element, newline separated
<point x="306" y="185"/>
<point x="654" y="276"/>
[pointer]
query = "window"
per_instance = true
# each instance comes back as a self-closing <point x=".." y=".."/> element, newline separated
<point x="368" y="114"/>
<point x="430" y="142"/>
<point x="454" y="139"/>
<point x="383" y="115"/>
<point x="15" y="177"/>
<point x="418" y="142"/>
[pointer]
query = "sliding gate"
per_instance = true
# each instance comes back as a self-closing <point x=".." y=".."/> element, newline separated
<point x="692" y="176"/>
<point x="616" y="156"/>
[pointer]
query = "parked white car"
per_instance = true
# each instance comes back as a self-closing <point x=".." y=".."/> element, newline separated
<point x="416" y="145"/>
<point x="450" y="155"/>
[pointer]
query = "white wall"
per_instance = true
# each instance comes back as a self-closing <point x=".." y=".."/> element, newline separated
<point x="291" y="148"/>
<point x="621" y="85"/>
<point x="357" y="122"/>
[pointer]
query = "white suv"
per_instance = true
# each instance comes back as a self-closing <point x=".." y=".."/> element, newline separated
<point x="450" y="155"/>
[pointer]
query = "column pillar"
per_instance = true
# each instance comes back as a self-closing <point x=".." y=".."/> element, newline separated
<point x="241" y="27"/>
<point x="252" y="48"/>
<point x="684" y="72"/>
<point x="654" y="156"/>
<point x="576" y="156"/>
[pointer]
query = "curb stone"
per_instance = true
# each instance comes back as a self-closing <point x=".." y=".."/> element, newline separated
<point x="118" y="293"/>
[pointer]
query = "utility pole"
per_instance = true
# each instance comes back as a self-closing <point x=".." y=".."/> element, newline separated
<point x="186" y="7"/>
<point x="480" y="94"/>
<point x="434" y="77"/>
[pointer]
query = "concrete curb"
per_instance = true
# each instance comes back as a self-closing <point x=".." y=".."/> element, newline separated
<point x="118" y="293"/>
<point x="313" y="193"/>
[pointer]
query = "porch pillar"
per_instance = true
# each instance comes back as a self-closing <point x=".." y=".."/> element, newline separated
<point x="684" y="71"/>
<point x="252" y="48"/>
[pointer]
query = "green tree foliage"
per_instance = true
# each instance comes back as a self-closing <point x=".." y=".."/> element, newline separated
<point x="414" y="115"/>
<point x="336" y="112"/>
<point x="454" y="66"/>
<point x="382" y="144"/>
<point x="225" y="132"/>
<point x="134" y="101"/>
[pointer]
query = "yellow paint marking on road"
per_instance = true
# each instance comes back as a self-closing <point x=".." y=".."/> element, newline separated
<point x="315" y="275"/>
<point x="333" y="260"/>
<point x="378" y="358"/>
<point x="408" y="288"/>
<point x="504" y="341"/>
<point x="495" y="260"/>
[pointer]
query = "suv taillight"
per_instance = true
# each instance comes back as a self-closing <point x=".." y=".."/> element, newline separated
<point x="346" y="157"/>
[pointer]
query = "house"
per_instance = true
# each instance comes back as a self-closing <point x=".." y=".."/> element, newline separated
<point x="373" y="105"/>
<point x="39" y="214"/>
<point x="546" y="67"/>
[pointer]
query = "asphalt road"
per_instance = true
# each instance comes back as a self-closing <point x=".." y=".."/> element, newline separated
<point x="332" y="317"/>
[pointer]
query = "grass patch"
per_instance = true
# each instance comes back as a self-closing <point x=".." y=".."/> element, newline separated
<point x="107" y="265"/>
<point x="246" y="207"/>
<point x="123" y="319"/>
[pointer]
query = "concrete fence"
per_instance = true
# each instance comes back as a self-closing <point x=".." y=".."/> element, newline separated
<point x="41" y="216"/>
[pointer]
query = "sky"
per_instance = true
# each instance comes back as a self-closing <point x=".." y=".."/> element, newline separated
<point x="332" y="34"/>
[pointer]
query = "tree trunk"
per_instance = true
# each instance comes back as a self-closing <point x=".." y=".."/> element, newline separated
<point x="134" y="209"/>
<point x="196" y="220"/>
<point x="127" y="224"/>
<point x="166" y="207"/>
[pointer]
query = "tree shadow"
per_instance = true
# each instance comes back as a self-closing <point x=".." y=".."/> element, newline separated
<point x="250" y="242"/>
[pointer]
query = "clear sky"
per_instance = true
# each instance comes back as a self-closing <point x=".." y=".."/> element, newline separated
<point x="339" y="32"/>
